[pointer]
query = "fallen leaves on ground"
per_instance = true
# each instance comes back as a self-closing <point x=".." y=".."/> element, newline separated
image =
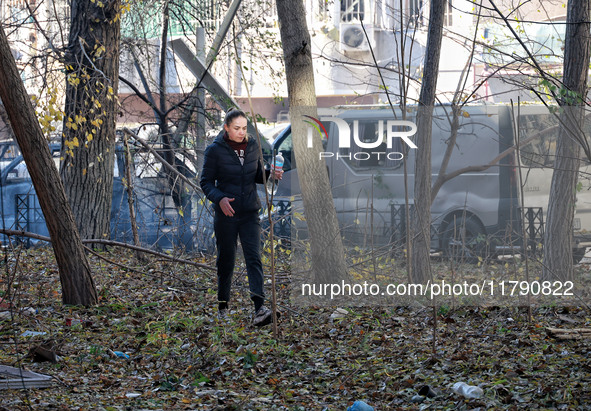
<point x="154" y="342"/>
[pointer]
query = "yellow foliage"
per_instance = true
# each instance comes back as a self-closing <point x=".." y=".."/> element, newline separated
<point x="48" y="110"/>
<point x="72" y="143"/>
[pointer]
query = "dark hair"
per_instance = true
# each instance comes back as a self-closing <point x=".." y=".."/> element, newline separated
<point x="232" y="114"/>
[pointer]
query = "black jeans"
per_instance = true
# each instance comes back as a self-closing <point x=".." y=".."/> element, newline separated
<point x="227" y="230"/>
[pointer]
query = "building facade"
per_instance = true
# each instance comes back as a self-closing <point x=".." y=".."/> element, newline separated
<point x="364" y="51"/>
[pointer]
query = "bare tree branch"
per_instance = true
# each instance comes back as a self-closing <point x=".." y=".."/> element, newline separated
<point x="162" y="160"/>
<point x="111" y="243"/>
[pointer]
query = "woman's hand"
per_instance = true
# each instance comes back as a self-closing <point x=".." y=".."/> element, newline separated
<point x="226" y="207"/>
<point x="277" y="174"/>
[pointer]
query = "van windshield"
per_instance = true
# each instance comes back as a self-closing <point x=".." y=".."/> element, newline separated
<point x="373" y="151"/>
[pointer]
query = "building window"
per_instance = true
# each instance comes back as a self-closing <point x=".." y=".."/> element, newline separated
<point x="448" y="16"/>
<point x="415" y="13"/>
<point x="323" y="9"/>
<point x="352" y="10"/>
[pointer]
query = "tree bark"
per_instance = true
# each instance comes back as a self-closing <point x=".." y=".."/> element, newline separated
<point x="75" y="276"/>
<point x="421" y="233"/>
<point x="558" y="237"/>
<point x="88" y="143"/>
<point x="327" y="252"/>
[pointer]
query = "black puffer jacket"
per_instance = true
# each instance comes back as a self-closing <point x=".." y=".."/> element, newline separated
<point x="224" y="176"/>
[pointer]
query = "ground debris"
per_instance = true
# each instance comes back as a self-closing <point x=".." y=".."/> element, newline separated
<point x="569" y="333"/>
<point x="155" y="342"/>
<point x="16" y="378"/>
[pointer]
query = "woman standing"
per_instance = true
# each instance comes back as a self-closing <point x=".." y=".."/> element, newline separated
<point x="231" y="169"/>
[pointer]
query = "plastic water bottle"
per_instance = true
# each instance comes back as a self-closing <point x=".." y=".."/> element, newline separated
<point x="279" y="160"/>
<point x="272" y="182"/>
<point x="468" y="391"/>
<point x="360" y="406"/>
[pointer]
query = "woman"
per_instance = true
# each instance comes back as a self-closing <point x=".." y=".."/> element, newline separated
<point x="231" y="169"/>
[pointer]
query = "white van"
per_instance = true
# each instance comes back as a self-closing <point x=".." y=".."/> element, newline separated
<point x="475" y="214"/>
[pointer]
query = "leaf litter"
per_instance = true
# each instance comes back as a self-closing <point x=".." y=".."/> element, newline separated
<point x="154" y="342"/>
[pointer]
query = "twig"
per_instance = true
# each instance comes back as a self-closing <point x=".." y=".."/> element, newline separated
<point x="81" y="41"/>
<point x="111" y="243"/>
<point x="185" y="282"/>
<point x="147" y="251"/>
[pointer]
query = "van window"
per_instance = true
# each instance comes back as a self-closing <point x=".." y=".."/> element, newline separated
<point x="286" y="149"/>
<point x="368" y="159"/>
<point x="540" y="152"/>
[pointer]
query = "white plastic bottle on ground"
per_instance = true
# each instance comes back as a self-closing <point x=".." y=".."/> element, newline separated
<point x="468" y="391"/>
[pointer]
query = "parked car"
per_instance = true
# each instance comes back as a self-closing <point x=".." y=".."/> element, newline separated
<point x="159" y="222"/>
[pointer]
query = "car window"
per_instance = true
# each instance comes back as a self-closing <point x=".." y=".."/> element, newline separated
<point x="19" y="170"/>
<point x="9" y="152"/>
<point x="146" y="164"/>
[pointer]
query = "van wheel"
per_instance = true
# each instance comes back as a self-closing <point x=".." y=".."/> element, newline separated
<point x="464" y="240"/>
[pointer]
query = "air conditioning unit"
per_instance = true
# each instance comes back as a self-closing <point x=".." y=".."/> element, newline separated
<point x="352" y="38"/>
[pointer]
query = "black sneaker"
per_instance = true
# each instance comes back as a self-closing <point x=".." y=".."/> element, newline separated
<point x="263" y="316"/>
<point x="223" y="315"/>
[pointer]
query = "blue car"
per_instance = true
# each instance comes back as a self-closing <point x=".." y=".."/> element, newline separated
<point x="160" y="224"/>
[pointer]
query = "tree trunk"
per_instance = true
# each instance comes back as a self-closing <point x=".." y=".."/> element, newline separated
<point x="421" y="233"/>
<point x="88" y="144"/>
<point x="327" y="253"/>
<point x="76" y="280"/>
<point x="558" y="237"/>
